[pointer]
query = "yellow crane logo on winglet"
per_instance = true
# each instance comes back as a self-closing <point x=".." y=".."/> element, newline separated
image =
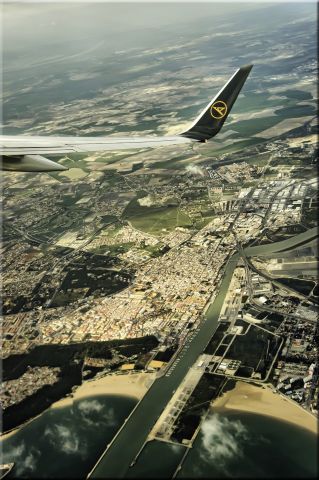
<point x="218" y="109"/>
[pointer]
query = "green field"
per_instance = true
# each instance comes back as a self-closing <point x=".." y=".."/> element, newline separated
<point x="260" y="101"/>
<point x="259" y="160"/>
<point x="154" y="219"/>
<point x="237" y="146"/>
<point x="154" y="222"/>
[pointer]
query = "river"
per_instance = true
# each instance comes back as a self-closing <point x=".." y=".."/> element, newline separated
<point x="116" y="461"/>
<point x="66" y="443"/>
<point x="113" y="463"/>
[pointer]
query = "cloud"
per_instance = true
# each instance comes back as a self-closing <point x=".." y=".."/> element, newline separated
<point x="24" y="457"/>
<point x="14" y="452"/>
<point x="222" y="439"/>
<point x="195" y="170"/>
<point x="28" y="463"/>
<point x="65" y="439"/>
<point x="109" y="417"/>
<point x="89" y="406"/>
<point x="146" y="201"/>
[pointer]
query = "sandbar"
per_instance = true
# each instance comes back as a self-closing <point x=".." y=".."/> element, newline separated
<point x="264" y="401"/>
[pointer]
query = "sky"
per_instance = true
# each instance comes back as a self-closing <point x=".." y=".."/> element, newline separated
<point x="35" y="29"/>
<point x="57" y="53"/>
<point x="25" y="21"/>
<point x="43" y="28"/>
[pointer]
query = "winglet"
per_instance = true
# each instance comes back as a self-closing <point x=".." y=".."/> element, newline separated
<point x="212" y="118"/>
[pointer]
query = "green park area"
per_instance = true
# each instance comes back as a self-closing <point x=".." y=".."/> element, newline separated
<point x="158" y="221"/>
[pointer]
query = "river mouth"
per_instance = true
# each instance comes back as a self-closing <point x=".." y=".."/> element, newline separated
<point x="114" y="462"/>
<point x="229" y="445"/>
<point x="123" y="455"/>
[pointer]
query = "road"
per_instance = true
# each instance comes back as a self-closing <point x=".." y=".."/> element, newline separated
<point x="129" y="441"/>
<point x="131" y="438"/>
<point x="114" y="463"/>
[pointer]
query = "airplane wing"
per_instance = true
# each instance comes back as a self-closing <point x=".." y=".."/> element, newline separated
<point x="26" y="153"/>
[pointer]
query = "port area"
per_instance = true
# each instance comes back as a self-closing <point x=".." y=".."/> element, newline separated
<point x="165" y="425"/>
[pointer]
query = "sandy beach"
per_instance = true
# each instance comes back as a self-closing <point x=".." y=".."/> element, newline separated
<point x="262" y="400"/>
<point x="131" y="385"/>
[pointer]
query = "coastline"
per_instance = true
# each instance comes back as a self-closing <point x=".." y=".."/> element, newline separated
<point x="128" y="385"/>
<point x="264" y="401"/>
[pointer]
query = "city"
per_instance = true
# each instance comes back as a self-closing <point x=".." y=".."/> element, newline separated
<point x="160" y="305"/>
<point x="167" y="277"/>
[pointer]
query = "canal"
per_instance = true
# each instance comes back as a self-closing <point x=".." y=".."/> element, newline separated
<point x="126" y="445"/>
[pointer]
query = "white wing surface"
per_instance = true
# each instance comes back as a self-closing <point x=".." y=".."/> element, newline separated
<point x="25" y="153"/>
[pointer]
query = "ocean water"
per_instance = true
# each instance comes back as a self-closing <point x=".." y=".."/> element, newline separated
<point x="157" y="460"/>
<point x="67" y="442"/>
<point x="244" y="445"/>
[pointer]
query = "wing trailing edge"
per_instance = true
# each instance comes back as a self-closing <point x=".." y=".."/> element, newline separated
<point x="24" y="153"/>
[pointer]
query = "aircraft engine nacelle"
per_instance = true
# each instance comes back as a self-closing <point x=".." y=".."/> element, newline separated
<point x="29" y="163"/>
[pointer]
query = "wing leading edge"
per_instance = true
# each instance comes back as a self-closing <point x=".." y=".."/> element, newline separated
<point x="24" y="153"/>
